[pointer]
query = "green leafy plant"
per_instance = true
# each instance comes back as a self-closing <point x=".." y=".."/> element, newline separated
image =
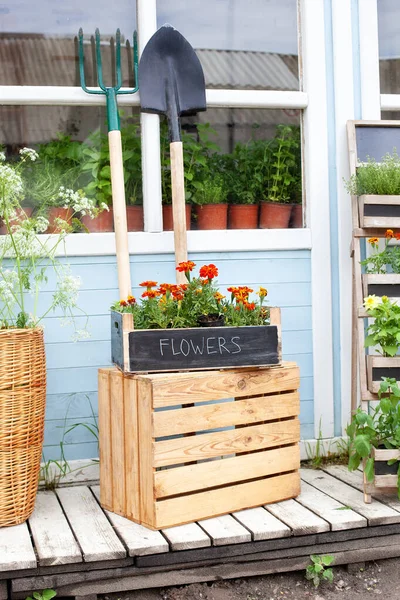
<point x="384" y="331"/>
<point x="379" y="428"/>
<point x="176" y="306"/>
<point x="44" y="595"/>
<point x="317" y="571"/>
<point x="211" y="191"/>
<point x="383" y="261"/>
<point x="376" y="178"/>
<point x="283" y="165"/>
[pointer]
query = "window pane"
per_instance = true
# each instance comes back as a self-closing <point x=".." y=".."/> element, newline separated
<point x="243" y="44"/>
<point x="73" y="155"/>
<point x="389" y="47"/>
<point x="37" y="45"/>
<point x="247" y="159"/>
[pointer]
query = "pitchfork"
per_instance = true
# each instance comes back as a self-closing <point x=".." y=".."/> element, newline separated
<point x="115" y="147"/>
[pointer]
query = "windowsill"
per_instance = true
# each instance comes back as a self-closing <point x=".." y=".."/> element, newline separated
<point x="229" y="240"/>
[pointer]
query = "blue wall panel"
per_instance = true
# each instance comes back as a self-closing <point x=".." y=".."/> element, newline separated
<point x="72" y="366"/>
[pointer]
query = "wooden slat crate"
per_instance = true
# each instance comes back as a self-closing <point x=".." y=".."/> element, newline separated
<point x="381" y="366"/>
<point x="385" y="476"/>
<point x="159" y="350"/>
<point x="379" y="211"/>
<point x="384" y="284"/>
<point x="179" y="447"/>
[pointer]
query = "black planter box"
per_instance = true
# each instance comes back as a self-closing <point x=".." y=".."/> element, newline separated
<point x="154" y="350"/>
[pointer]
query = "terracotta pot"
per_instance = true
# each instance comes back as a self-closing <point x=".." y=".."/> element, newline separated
<point x="243" y="216"/>
<point x="134" y="217"/>
<point x="296" y="217"/>
<point x="274" y="215"/>
<point x="212" y="216"/>
<point x="102" y="223"/>
<point x="58" y="212"/>
<point x="168" y="222"/>
<point x="22" y="214"/>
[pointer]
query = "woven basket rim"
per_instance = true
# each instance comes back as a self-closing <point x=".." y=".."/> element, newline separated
<point x="20" y="330"/>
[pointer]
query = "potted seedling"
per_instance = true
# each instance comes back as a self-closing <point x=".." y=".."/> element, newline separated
<point x="377" y="186"/>
<point x="384" y="334"/>
<point x="374" y="438"/>
<point x="245" y="183"/>
<point x="276" y="208"/>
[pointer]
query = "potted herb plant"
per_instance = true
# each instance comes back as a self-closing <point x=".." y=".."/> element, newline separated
<point x="210" y="201"/>
<point x="377" y="185"/>
<point x="374" y="438"/>
<point x="25" y="260"/>
<point x="245" y="178"/>
<point x="276" y="209"/>
<point x="383" y="333"/>
<point x="382" y="267"/>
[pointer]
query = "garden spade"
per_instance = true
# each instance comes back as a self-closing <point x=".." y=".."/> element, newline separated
<point x="171" y="83"/>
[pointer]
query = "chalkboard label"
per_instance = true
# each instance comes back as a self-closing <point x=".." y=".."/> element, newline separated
<point x="203" y="347"/>
<point x="376" y="141"/>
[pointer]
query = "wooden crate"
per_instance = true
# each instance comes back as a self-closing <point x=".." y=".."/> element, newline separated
<point x="159" y="350"/>
<point x="162" y="460"/>
<point x="385" y="476"/>
<point x="379" y="211"/>
<point x="385" y="284"/>
<point x="381" y="366"/>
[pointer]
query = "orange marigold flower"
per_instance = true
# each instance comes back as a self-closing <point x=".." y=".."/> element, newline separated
<point x="218" y="296"/>
<point x="204" y="281"/>
<point x="150" y="294"/>
<point x="177" y="295"/>
<point x="262" y="292"/>
<point x="183" y="287"/>
<point x="148" y="284"/>
<point x="209" y="271"/>
<point x="131" y="300"/>
<point x="250" y="305"/>
<point x="373" y="241"/>
<point x="184" y="267"/>
<point x="233" y="290"/>
<point x="397" y="236"/>
<point x="246" y="289"/>
<point x="123" y="303"/>
<point x="389" y="234"/>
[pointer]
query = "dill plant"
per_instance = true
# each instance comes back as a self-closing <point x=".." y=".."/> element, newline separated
<point x="376" y="178"/>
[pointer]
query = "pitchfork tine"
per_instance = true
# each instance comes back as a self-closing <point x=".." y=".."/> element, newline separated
<point x="98" y="61"/>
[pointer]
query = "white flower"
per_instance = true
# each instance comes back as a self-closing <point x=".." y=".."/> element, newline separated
<point x="29" y="153"/>
<point x="66" y="295"/>
<point x="2" y="156"/>
<point x="80" y="334"/>
<point x="41" y="224"/>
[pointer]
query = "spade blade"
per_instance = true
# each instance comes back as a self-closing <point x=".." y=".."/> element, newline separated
<point x="171" y="79"/>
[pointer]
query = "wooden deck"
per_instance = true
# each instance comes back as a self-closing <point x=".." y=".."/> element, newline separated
<point x="70" y="544"/>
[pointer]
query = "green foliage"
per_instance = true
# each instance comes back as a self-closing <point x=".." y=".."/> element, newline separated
<point x="375" y="178"/>
<point x="317" y="571"/>
<point x="380" y="428"/>
<point x="283" y="167"/>
<point x="384" y="331"/>
<point x="44" y="595"/>
<point x="177" y="306"/>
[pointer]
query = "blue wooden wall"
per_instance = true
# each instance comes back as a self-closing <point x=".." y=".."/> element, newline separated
<point x="72" y="366"/>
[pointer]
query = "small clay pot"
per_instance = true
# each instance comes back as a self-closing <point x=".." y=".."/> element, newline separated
<point x="58" y="212"/>
<point x="23" y="213"/>
<point x="134" y="218"/>
<point x="211" y="320"/>
<point x="168" y="221"/>
<point x="212" y="216"/>
<point x="243" y="216"/>
<point x="102" y="223"/>
<point x="296" y="217"/>
<point x="274" y="215"/>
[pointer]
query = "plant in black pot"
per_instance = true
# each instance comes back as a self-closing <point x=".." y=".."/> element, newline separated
<point x="375" y="437"/>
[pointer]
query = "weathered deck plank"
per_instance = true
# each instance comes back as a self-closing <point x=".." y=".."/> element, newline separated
<point x="225" y="530"/>
<point x="337" y="514"/>
<point x="376" y="513"/>
<point x="139" y="540"/>
<point x="186" y="537"/>
<point x="52" y="536"/>
<point x="16" y="551"/>
<point x="300" y="520"/>
<point x="90" y="525"/>
<point x="262" y="524"/>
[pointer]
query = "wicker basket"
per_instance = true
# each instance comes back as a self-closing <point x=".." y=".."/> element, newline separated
<point x="22" y="406"/>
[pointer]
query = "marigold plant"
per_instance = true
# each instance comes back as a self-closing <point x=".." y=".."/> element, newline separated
<point x="168" y="305"/>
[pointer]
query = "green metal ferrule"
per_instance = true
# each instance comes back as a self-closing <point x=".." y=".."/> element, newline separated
<point x="112" y="110"/>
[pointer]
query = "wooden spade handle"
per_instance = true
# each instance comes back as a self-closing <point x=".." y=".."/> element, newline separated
<point x="178" y="206"/>
<point x="119" y="210"/>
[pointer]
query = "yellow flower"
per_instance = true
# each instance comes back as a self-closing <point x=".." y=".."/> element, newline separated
<point x="385" y="299"/>
<point x="262" y="292"/>
<point x="371" y="302"/>
<point x="373" y="241"/>
<point x="218" y="296"/>
<point x="198" y="291"/>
